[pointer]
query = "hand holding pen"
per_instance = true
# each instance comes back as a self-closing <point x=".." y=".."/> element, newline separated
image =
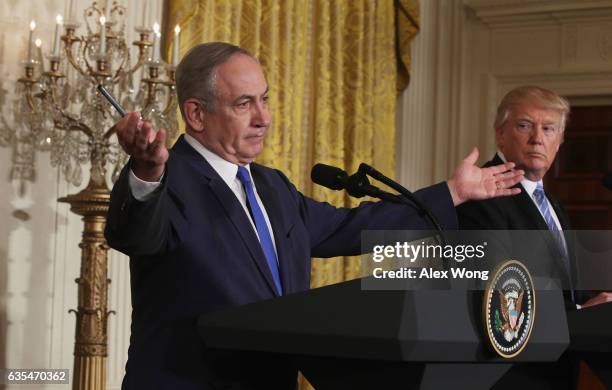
<point x="146" y="147"/>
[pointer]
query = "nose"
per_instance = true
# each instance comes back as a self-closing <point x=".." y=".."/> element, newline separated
<point x="261" y="115"/>
<point x="537" y="134"/>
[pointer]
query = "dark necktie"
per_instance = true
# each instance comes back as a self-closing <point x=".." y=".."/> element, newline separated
<point x="265" y="239"/>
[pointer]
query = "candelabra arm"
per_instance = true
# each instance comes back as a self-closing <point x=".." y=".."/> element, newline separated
<point x="30" y="98"/>
<point x="142" y="57"/>
<point x="120" y="72"/>
<point x="73" y="62"/>
<point x="74" y="125"/>
<point x="109" y="132"/>
<point x="90" y="70"/>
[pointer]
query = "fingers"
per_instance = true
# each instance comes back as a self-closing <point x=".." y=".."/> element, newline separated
<point x="499" y="168"/>
<point x="603" y="297"/>
<point x="157" y="148"/>
<point x="507" y="191"/>
<point x="126" y="130"/>
<point x="472" y="157"/>
<point x="141" y="140"/>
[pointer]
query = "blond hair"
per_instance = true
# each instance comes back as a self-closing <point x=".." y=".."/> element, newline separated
<point x="532" y="94"/>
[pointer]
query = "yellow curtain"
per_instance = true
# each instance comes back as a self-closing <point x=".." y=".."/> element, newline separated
<point x="334" y="69"/>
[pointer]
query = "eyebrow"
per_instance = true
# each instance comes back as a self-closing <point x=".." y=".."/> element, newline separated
<point x="250" y="97"/>
<point x="530" y="120"/>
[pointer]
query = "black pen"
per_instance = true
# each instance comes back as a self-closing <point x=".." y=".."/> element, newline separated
<point x="112" y="100"/>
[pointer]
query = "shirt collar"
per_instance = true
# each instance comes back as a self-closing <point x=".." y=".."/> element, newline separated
<point x="224" y="168"/>
<point x="527" y="184"/>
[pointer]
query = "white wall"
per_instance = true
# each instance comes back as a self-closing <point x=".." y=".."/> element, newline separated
<point x="39" y="253"/>
<point x="469" y="53"/>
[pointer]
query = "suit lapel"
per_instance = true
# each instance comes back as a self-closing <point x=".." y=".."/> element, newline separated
<point x="232" y="207"/>
<point x="524" y="204"/>
<point x="280" y="227"/>
<point x="530" y="212"/>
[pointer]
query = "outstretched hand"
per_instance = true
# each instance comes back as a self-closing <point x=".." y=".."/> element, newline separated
<point x="602" y="297"/>
<point x="470" y="182"/>
<point x="146" y="147"/>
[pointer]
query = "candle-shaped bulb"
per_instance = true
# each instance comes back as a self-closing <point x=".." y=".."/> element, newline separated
<point x="156" y="39"/>
<point x="39" y="55"/>
<point x="56" y="41"/>
<point x="32" y="28"/>
<point x="175" y="46"/>
<point x="102" y="35"/>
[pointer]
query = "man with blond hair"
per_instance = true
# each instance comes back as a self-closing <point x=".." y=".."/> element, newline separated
<point x="529" y="129"/>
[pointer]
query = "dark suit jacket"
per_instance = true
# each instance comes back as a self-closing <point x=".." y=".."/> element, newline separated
<point x="519" y="213"/>
<point x="193" y="251"/>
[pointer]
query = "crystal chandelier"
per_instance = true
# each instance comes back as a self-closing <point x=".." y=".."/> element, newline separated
<point x="59" y="110"/>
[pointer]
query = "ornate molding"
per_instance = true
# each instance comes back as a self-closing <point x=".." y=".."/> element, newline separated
<point x="511" y="13"/>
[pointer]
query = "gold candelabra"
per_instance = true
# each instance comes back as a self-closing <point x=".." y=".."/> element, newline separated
<point x="61" y="111"/>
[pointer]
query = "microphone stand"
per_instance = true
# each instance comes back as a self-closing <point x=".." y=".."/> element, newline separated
<point x="406" y="198"/>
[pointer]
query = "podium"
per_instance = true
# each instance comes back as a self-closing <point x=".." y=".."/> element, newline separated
<point x="591" y="339"/>
<point x="344" y="337"/>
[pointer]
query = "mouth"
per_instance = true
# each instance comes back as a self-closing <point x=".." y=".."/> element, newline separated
<point x="256" y="136"/>
<point x="536" y="154"/>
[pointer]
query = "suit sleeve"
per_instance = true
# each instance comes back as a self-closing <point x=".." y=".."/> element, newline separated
<point x="143" y="228"/>
<point x="337" y="231"/>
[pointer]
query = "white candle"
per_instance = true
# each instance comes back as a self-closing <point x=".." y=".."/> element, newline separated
<point x="39" y="55"/>
<point x="58" y="30"/>
<point x="32" y="28"/>
<point x="175" y="52"/>
<point x="145" y="14"/>
<point x="102" y="35"/>
<point x="156" y="39"/>
<point x="71" y="12"/>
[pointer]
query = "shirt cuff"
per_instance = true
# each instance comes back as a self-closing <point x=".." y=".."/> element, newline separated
<point x="143" y="190"/>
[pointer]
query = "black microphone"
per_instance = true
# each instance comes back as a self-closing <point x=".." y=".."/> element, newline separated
<point x="357" y="185"/>
<point x="328" y="176"/>
<point x="607" y="181"/>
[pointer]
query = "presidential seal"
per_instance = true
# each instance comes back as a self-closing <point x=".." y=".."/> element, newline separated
<point x="509" y="308"/>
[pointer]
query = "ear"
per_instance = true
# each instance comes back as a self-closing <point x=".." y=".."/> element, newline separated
<point x="194" y="114"/>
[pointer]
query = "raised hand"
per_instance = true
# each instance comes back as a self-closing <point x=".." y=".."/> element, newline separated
<point x="470" y="182"/>
<point x="602" y="297"/>
<point x="146" y="147"/>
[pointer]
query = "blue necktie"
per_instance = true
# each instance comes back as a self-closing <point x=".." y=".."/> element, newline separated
<point x="262" y="228"/>
<point x="544" y="207"/>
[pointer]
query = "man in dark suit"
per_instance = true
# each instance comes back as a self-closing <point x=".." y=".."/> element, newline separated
<point x="529" y="128"/>
<point x="206" y="228"/>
